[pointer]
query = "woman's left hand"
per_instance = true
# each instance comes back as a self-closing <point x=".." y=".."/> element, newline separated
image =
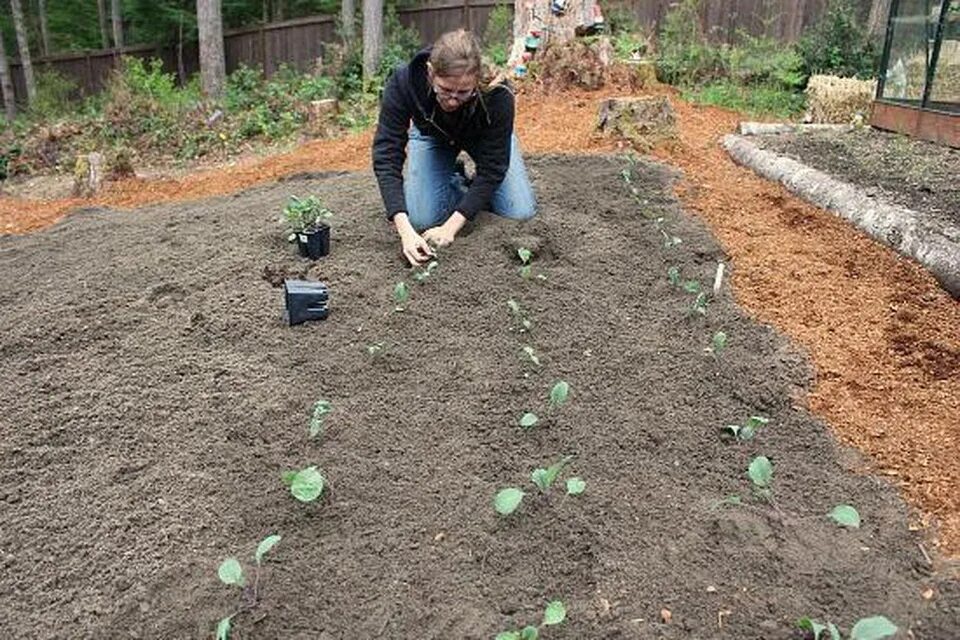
<point x="445" y="234"/>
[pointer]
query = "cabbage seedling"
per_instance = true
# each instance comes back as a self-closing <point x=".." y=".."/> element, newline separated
<point x="531" y="355"/>
<point x="846" y="516"/>
<point x="231" y="573"/>
<point x="558" y="394"/>
<point x="760" y="472"/>
<point x="526" y="256"/>
<point x="873" y="628"/>
<point x="700" y="304"/>
<point x="748" y="430"/>
<point x="401" y="293"/>
<point x="421" y="275"/>
<point x="305" y="485"/>
<point x="508" y="499"/>
<point x="320" y="410"/>
<point x="555" y="613"/>
<point x="717" y="344"/>
<point x="529" y="420"/>
<point x="525" y="323"/>
<point x="544" y="478"/>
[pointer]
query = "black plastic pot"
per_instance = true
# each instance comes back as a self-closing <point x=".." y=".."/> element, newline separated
<point x="316" y="243"/>
<point x="305" y="301"/>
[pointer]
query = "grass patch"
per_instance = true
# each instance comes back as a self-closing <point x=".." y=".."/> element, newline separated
<point x="752" y="100"/>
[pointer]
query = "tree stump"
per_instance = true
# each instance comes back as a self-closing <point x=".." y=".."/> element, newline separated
<point x="637" y="118"/>
<point x="88" y="175"/>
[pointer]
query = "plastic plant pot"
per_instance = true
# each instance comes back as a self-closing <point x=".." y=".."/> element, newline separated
<point x="305" y="301"/>
<point x="315" y="243"/>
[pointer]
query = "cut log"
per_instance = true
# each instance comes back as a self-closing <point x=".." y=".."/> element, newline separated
<point x="88" y="175"/>
<point x="636" y="118"/>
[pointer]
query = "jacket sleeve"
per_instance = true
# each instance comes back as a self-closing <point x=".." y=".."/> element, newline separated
<point x="389" y="145"/>
<point x="492" y="155"/>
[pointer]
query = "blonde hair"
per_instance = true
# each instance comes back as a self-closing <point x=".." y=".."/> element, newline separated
<point x="456" y="53"/>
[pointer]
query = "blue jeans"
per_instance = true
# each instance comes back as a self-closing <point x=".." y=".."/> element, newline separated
<point x="432" y="186"/>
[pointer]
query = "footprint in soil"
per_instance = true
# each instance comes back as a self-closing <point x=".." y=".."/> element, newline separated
<point x="163" y="295"/>
<point x="275" y="274"/>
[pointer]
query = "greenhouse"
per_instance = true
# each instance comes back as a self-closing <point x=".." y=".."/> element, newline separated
<point x="919" y="88"/>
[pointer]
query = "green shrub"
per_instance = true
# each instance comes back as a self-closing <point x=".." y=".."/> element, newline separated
<point x="685" y="56"/>
<point x="838" y="44"/>
<point x="55" y="95"/>
<point x="498" y="37"/>
<point x="400" y="43"/>
<point x="755" y="100"/>
<point x="765" y="61"/>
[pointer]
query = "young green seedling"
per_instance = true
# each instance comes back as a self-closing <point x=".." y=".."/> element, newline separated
<point x="717" y="345"/>
<point x="846" y="516"/>
<point x="525" y="323"/>
<point x="231" y="573"/>
<point x="669" y="241"/>
<point x="748" y="430"/>
<point x="531" y="355"/>
<point x="320" y="410"/>
<point x="421" y="275"/>
<point x="761" y="474"/>
<point x="873" y="628"/>
<point x="558" y="394"/>
<point x="700" y="304"/>
<point x="305" y="485"/>
<point x="508" y="499"/>
<point x="554" y="614"/>
<point x="673" y="275"/>
<point x="401" y="293"/>
<point x="375" y="349"/>
<point x="304" y="215"/>
<point x="529" y="420"/>
<point x="526" y="256"/>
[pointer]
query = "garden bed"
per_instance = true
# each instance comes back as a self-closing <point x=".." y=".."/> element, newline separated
<point x="919" y="175"/>
<point x="153" y="396"/>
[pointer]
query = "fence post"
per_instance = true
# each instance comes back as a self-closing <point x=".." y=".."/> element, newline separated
<point x="466" y="15"/>
<point x="263" y="50"/>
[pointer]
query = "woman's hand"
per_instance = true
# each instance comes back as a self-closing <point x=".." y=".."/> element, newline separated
<point x="445" y="234"/>
<point x="415" y="247"/>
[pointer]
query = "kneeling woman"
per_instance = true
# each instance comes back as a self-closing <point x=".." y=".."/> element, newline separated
<point x="433" y="108"/>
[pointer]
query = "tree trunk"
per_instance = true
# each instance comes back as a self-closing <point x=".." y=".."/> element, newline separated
<point x="116" y="16"/>
<point x="212" y="63"/>
<point x="44" y="31"/>
<point x="348" y="18"/>
<point x="536" y="17"/>
<point x="104" y="31"/>
<point x="279" y="10"/>
<point x="877" y="22"/>
<point x="6" y="83"/>
<point x="372" y="37"/>
<point x="24" y="46"/>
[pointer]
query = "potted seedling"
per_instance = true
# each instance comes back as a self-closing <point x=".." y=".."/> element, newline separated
<point x="305" y="221"/>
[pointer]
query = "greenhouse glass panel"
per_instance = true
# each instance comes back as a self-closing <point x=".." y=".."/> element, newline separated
<point x="914" y="29"/>
<point x="945" y="90"/>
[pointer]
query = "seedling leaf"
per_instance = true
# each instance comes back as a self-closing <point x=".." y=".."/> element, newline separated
<point x="719" y="342"/>
<point x="514" y="307"/>
<point x="555" y="613"/>
<point x="532" y="355"/>
<point x="761" y="471"/>
<point x="757" y="421"/>
<point x="231" y="572"/>
<point x="691" y="286"/>
<point x="400" y="295"/>
<point x="508" y="635"/>
<point x="734" y="429"/>
<point x="529" y="420"/>
<point x="846" y="516"/>
<point x="265" y="546"/>
<point x="530" y="633"/>
<point x="834" y="632"/>
<point x="287" y="477"/>
<point x="526" y="324"/>
<point x="540" y="478"/>
<point x="525" y="255"/>
<point x="320" y="410"/>
<point x="875" y="628"/>
<point x="673" y="275"/>
<point x="223" y="628"/>
<point x="307" y="484"/>
<point x="559" y="393"/>
<point x="806" y="624"/>
<point x="508" y="500"/>
<point x="575" y="486"/>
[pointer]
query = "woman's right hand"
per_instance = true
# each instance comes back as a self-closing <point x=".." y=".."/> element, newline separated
<point x="415" y="249"/>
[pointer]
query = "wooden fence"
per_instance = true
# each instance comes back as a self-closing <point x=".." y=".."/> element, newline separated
<point x="299" y="43"/>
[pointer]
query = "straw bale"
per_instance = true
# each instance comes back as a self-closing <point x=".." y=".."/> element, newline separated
<point x="839" y="100"/>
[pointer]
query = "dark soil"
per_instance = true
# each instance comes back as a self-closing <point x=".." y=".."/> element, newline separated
<point x="152" y="397"/>
<point x="912" y="173"/>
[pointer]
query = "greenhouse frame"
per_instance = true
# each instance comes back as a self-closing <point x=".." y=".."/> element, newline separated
<point x="918" y="92"/>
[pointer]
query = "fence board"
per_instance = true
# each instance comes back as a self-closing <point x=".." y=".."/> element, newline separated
<point x="299" y="43"/>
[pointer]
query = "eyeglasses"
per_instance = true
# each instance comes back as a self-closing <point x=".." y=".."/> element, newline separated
<point x="459" y="96"/>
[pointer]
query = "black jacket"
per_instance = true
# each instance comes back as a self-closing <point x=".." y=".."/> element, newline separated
<point x="483" y="130"/>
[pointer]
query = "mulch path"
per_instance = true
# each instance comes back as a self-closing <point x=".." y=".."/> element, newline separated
<point x="882" y="335"/>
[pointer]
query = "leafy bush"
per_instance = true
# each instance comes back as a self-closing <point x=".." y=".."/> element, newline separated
<point x="838" y="44"/>
<point x="765" y="61"/>
<point x="400" y="43"/>
<point x="55" y="95"/>
<point x="498" y="36"/>
<point x="759" y="100"/>
<point x="685" y="56"/>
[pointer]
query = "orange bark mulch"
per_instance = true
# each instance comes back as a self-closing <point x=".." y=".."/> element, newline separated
<point x="883" y="337"/>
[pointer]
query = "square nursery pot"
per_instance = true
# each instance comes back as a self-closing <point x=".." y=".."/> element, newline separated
<point x="316" y="243"/>
<point x="305" y="301"/>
